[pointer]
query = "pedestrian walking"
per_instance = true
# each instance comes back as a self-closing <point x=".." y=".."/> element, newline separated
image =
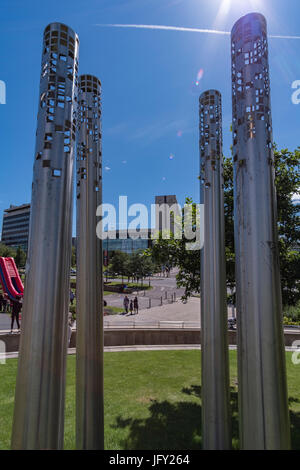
<point x="15" y="313"/>
<point x="70" y="324"/>
<point x="72" y="296"/>
<point x="4" y="303"/>
<point x="126" y="303"/>
<point x="136" y="305"/>
<point x="131" y="307"/>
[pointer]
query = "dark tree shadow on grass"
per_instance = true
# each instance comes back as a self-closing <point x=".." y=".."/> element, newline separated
<point x="173" y="426"/>
<point x="195" y="390"/>
<point x="177" y="426"/>
<point x="295" y="426"/>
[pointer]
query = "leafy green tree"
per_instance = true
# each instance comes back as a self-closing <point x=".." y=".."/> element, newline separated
<point x="7" y="251"/>
<point x="73" y="257"/>
<point x="287" y="180"/>
<point x="20" y="257"/>
<point x="119" y="263"/>
<point x="173" y="252"/>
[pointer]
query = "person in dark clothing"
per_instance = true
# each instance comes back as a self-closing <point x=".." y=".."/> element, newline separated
<point x="1" y="302"/>
<point x="126" y="303"/>
<point x="131" y="307"/>
<point x="4" y="302"/>
<point x="136" y="305"/>
<point x="16" y="308"/>
<point x="72" y="297"/>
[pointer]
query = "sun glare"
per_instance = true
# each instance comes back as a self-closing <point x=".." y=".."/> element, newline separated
<point x="235" y="7"/>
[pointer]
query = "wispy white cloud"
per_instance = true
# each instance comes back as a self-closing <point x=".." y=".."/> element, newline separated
<point x="117" y="129"/>
<point x="165" y="28"/>
<point x="183" y="29"/>
<point x="283" y="37"/>
<point x="150" y="131"/>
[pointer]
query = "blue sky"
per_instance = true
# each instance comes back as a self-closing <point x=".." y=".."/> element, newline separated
<point x="149" y="98"/>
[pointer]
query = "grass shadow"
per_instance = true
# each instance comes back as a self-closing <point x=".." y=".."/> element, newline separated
<point x="171" y="425"/>
<point x="175" y="426"/>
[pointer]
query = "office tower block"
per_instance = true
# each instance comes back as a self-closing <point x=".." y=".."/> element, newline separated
<point x="214" y="342"/>
<point x="89" y="360"/>
<point x="40" y="389"/>
<point x="263" y="401"/>
<point x="15" y="228"/>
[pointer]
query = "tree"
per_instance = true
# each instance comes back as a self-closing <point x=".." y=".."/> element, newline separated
<point x="7" y="251"/>
<point x="119" y="263"/>
<point x="172" y="252"/>
<point x="287" y="180"/>
<point x="20" y="257"/>
<point x="18" y="254"/>
<point x="73" y="257"/>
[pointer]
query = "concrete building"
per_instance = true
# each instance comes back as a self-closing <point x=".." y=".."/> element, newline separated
<point x="15" y="228"/>
<point x="166" y="209"/>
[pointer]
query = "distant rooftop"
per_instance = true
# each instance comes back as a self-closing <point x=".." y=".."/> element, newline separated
<point x="13" y="208"/>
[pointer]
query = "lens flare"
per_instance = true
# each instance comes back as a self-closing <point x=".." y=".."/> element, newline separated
<point x="171" y="157"/>
<point x="199" y="77"/>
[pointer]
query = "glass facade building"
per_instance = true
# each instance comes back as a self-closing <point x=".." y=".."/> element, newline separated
<point x="123" y="242"/>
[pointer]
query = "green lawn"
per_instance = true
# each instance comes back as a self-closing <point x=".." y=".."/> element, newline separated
<point x="152" y="400"/>
<point x="113" y="310"/>
<point x="134" y="285"/>
<point x="109" y="293"/>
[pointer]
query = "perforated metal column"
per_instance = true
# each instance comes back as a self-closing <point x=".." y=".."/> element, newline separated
<point x="40" y="390"/>
<point x="89" y="381"/>
<point x="214" y="342"/>
<point x="263" y="402"/>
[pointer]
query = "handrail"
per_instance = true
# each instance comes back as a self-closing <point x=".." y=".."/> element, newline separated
<point x="151" y="324"/>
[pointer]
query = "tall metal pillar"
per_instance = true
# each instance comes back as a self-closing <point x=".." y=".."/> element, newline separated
<point x="89" y="380"/>
<point x="263" y="400"/>
<point x="214" y="340"/>
<point x="40" y="390"/>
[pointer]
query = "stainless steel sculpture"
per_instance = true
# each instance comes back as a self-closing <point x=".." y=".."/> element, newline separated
<point x="215" y="362"/>
<point x="40" y="390"/>
<point x="263" y="401"/>
<point x="89" y="381"/>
